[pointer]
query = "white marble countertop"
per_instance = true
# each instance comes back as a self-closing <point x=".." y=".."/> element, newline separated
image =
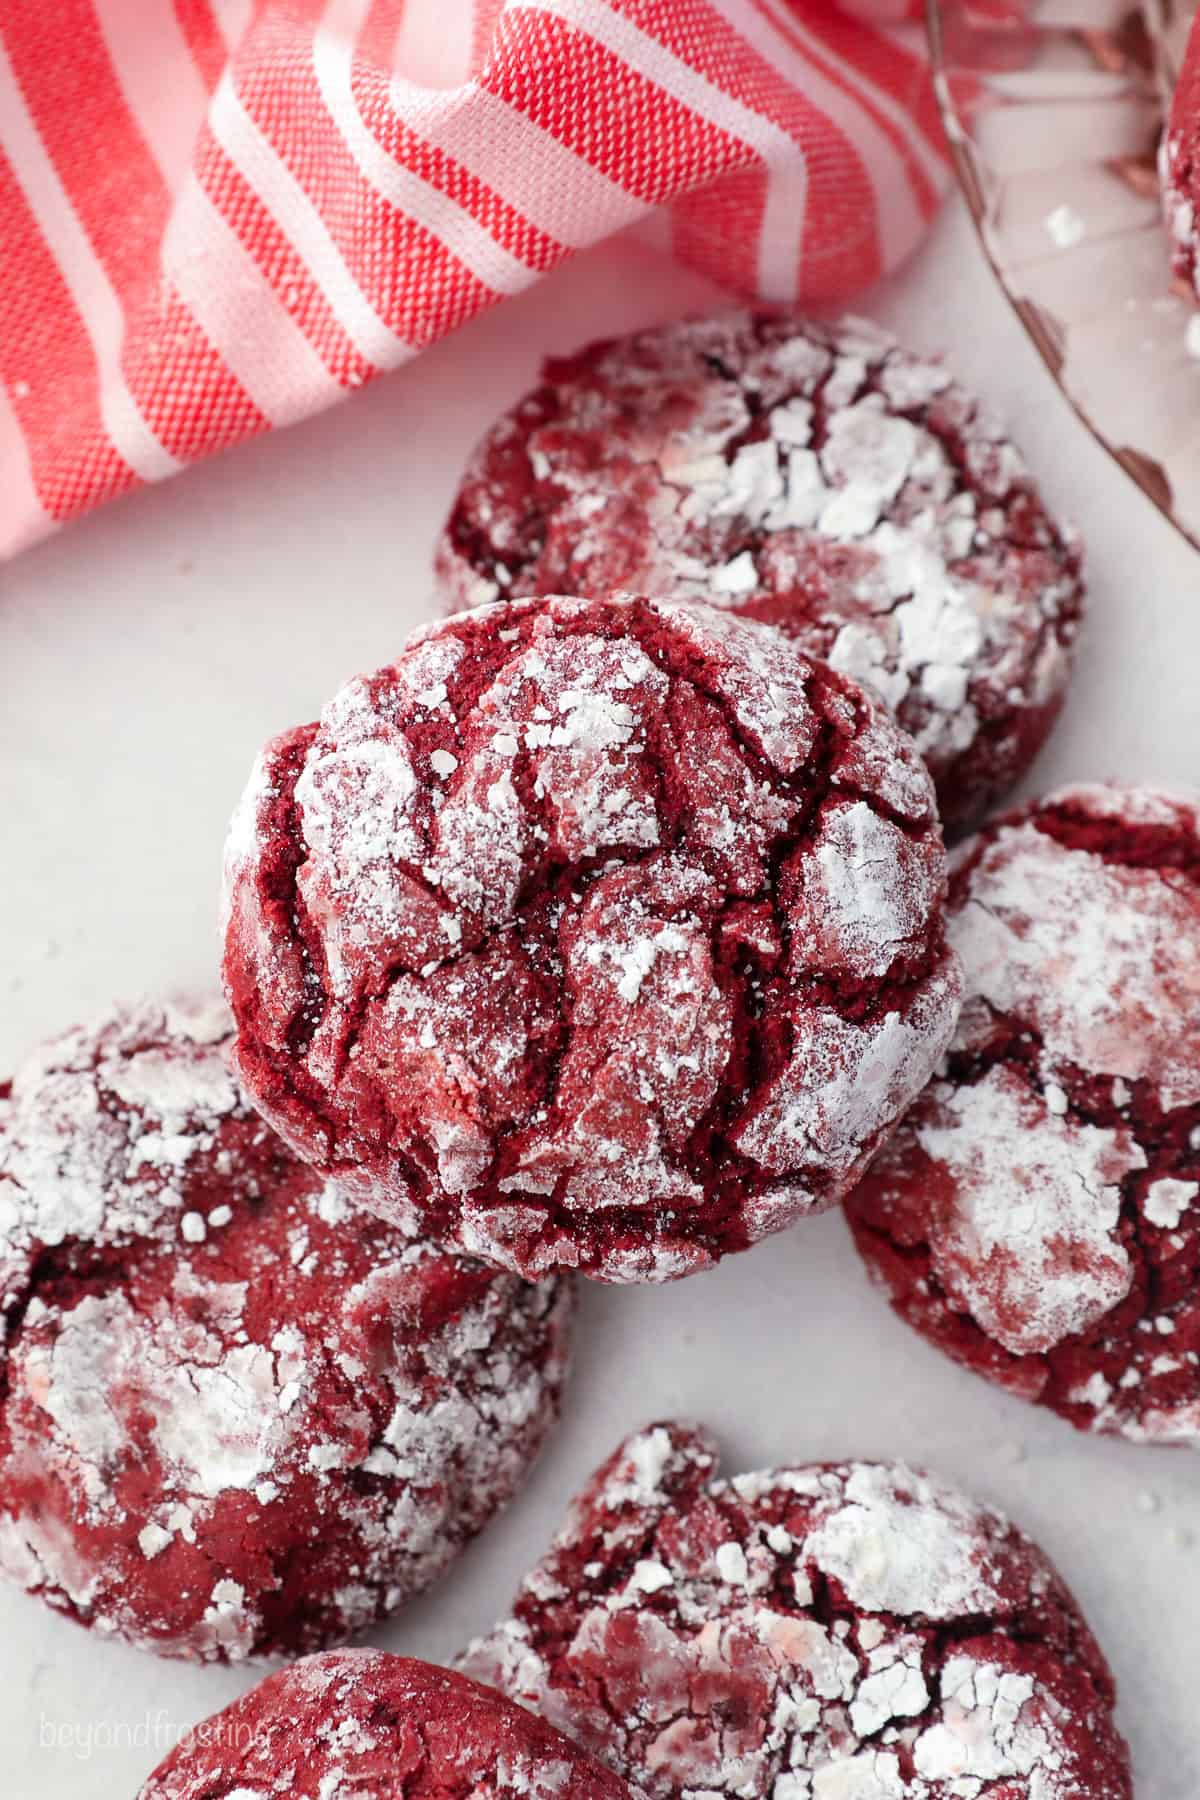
<point x="145" y="654"/>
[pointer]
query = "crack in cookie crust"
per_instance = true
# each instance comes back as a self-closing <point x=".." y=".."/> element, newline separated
<point x="814" y="477"/>
<point x="1037" y="1215"/>
<point x="234" y="1418"/>
<point x="597" y="934"/>
<point x="851" y="1631"/>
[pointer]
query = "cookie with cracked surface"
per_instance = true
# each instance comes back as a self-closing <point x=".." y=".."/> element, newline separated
<point x="363" y="1725"/>
<point x="235" y="1421"/>
<point x="1037" y="1215"/>
<point x="852" y="1631"/>
<point x="601" y="934"/>
<point x="815" y="477"/>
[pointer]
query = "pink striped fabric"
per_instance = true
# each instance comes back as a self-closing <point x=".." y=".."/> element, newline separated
<point x="217" y="216"/>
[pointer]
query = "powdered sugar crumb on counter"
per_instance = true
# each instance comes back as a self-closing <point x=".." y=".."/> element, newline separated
<point x="1065" y="227"/>
<point x="816" y="477"/>
<point x="528" y="1003"/>
<point x="1037" y="1214"/>
<point x="207" y="1350"/>
<point x="836" y="1632"/>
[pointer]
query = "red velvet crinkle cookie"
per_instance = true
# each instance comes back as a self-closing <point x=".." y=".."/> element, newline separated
<point x="598" y="934"/>
<point x="816" y="477"/>
<point x="363" y="1725"/>
<point x="1179" y="165"/>
<point x="234" y="1419"/>
<point x="850" y="1631"/>
<point x="1038" y="1213"/>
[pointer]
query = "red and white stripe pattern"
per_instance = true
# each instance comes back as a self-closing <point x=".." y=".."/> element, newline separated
<point x="217" y="216"/>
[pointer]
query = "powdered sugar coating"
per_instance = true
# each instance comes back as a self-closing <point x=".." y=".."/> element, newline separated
<point x="833" y="1632"/>
<point x="1036" y="1214"/>
<point x="363" y="1725"/>
<point x="236" y="1419"/>
<point x="597" y="934"/>
<point x="815" y="477"/>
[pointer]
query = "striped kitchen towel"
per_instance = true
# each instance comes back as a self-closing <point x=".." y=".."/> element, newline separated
<point x="217" y="216"/>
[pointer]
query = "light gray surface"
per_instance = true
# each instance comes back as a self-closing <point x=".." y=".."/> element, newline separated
<point x="144" y="656"/>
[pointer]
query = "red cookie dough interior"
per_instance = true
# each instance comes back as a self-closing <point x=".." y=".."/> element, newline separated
<point x="836" y="1632"/>
<point x="598" y="934"/>
<point x="235" y="1418"/>
<point x="816" y="477"/>
<point x="362" y="1725"/>
<point x="1038" y="1213"/>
